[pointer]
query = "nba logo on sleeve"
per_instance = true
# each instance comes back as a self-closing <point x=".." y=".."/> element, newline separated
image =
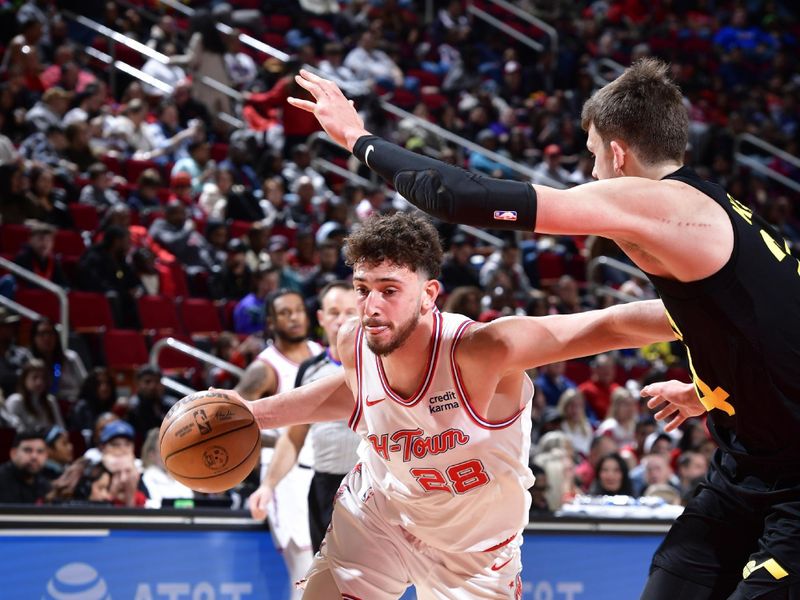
<point x="505" y="215"/>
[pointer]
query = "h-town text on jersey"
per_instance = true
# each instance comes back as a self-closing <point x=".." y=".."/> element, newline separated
<point x="410" y="443"/>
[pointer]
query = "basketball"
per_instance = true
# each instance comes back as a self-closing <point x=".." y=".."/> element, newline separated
<point x="209" y="441"/>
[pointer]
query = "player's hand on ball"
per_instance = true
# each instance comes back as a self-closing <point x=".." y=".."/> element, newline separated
<point x="232" y="395"/>
<point x="681" y="402"/>
<point x="259" y="501"/>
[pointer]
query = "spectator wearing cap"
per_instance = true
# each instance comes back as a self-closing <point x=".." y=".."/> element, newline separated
<point x="49" y="110"/>
<point x="21" y="478"/>
<point x="60" y="452"/>
<point x="149" y="406"/>
<point x="104" y="269"/>
<point x="550" y="169"/>
<point x="457" y="269"/>
<point x="198" y="164"/>
<point x="47" y="203"/>
<point x="98" y="192"/>
<point x="37" y="256"/>
<point x="234" y="280"/>
<point x="12" y="356"/>
<point x="249" y="315"/>
<point x="278" y="249"/>
<point x="478" y="161"/>
<point x="32" y="407"/>
<point x="117" y="455"/>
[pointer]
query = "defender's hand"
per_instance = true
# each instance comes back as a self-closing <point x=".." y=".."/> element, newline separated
<point x="681" y="402"/>
<point x="335" y="113"/>
<point x="259" y="501"/>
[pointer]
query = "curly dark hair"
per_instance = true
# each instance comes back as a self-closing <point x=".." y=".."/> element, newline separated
<point x="407" y="240"/>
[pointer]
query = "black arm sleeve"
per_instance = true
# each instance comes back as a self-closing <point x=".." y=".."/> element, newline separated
<point x="447" y="192"/>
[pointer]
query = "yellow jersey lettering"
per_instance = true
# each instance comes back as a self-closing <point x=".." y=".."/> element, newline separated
<point x="771" y="565"/>
<point x="741" y="209"/>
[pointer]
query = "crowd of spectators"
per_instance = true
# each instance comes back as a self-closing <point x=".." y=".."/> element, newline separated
<point x="163" y="196"/>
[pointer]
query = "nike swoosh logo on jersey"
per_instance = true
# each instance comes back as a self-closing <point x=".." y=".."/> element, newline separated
<point x="370" y="148"/>
<point x="497" y="568"/>
<point x="373" y="402"/>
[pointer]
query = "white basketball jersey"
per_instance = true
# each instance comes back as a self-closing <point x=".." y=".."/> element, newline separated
<point x="449" y="477"/>
<point x="286" y="373"/>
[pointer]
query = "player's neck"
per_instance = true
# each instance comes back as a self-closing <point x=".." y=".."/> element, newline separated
<point x="297" y="351"/>
<point x="406" y="366"/>
<point x="655" y="172"/>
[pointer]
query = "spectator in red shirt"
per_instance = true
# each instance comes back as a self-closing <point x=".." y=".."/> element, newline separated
<point x="598" y="389"/>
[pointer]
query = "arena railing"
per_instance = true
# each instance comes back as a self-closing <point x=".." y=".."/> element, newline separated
<point x="594" y="265"/>
<point x="548" y="29"/>
<point x="758" y="166"/>
<point x="60" y="293"/>
<point x="387" y="106"/>
<point x="110" y="59"/>
<point x="184" y="348"/>
<point x="507" y="29"/>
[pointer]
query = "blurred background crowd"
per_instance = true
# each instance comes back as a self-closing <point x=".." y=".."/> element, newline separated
<point x="152" y="169"/>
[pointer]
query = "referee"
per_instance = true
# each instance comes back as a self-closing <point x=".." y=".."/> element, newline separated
<point x="334" y="444"/>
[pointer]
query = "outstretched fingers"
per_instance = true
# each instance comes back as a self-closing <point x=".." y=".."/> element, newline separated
<point x="306" y="105"/>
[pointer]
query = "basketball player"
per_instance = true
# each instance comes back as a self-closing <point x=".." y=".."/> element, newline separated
<point x="439" y="497"/>
<point x="731" y="289"/>
<point x="334" y="443"/>
<point x="274" y="370"/>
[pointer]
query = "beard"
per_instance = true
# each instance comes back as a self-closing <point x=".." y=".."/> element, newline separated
<point x="402" y="333"/>
<point x="287" y="338"/>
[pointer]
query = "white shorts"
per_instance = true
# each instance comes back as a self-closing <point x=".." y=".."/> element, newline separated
<point x="372" y="559"/>
<point x="288" y="511"/>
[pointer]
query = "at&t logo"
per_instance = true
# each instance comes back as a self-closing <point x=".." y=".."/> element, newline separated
<point x="76" y="581"/>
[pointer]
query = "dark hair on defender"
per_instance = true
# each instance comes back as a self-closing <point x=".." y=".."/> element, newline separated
<point x="272" y="297"/>
<point x="644" y="108"/>
<point x="406" y="240"/>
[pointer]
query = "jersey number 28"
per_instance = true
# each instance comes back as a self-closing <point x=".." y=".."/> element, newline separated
<point x="461" y="477"/>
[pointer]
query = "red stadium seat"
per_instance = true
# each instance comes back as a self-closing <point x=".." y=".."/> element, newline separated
<point x="200" y="317"/>
<point x="134" y="168"/>
<point x="550" y="265"/>
<point x="125" y="351"/>
<point x="89" y="312"/>
<point x="13" y="238"/>
<point x="41" y="301"/>
<point x="280" y="23"/>
<point x="578" y="371"/>
<point x="69" y="243"/>
<point x="84" y="216"/>
<point x="158" y="315"/>
<point x="170" y="359"/>
<point x="219" y="151"/>
<point x="238" y="229"/>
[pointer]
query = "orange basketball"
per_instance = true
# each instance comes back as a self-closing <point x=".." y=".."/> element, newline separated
<point x="209" y="441"/>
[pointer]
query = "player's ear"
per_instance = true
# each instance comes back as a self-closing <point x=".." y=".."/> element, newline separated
<point x="431" y="290"/>
<point x="619" y="152"/>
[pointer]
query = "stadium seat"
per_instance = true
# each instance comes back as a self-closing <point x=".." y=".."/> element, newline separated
<point x="69" y="243"/>
<point x="125" y="349"/>
<point x="551" y="265"/>
<point x="13" y="238"/>
<point x="171" y="360"/>
<point x="134" y="168"/>
<point x="158" y="315"/>
<point x="84" y="216"/>
<point x="238" y="229"/>
<point x="89" y="312"/>
<point x="578" y="371"/>
<point x="200" y="317"/>
<point x="41" y="301"/>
